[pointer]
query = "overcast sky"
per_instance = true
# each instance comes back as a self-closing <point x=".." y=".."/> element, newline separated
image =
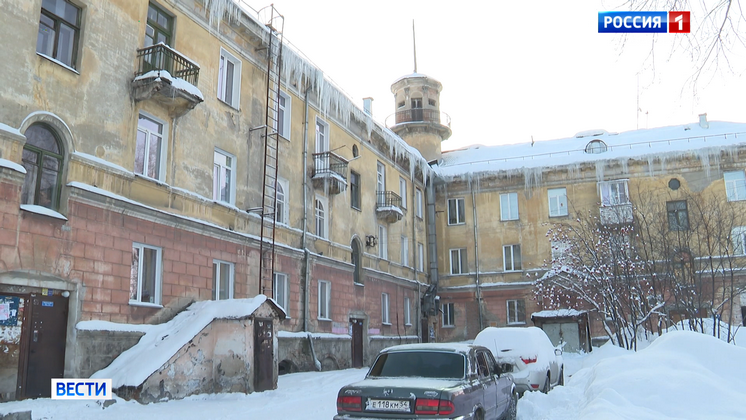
<point x="512" y="70"/>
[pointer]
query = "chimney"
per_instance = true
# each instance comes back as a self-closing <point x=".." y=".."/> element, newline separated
<point x="703" y="121"/>
<point x="368" y="106"/>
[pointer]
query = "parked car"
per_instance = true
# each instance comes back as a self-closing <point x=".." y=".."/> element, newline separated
<point x="538" y="364"/>
<point x="433" y="380"/>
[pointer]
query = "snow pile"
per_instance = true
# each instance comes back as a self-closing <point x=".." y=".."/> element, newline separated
<point x="161" y="342"/>
<point x="681" y="375"/>
<point x="557" y="313"/>
<point x="176" y="82"/>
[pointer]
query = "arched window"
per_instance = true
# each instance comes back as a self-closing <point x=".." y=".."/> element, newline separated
<point x="595" y="147"/>
<point x="357" y="260"/>
<point x="320" y="219"/>
<point x="42" y="158"/>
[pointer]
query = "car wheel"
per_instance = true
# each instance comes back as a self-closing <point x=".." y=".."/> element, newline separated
<point x="512" y="410"/>
<point x="561" y="380"/>
<point x="545" y="389"/>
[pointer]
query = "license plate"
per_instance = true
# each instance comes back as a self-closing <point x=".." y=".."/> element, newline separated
<point x="388" y="405"/>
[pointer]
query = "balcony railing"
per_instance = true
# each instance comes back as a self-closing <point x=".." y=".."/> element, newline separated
<point x="163" y="57"/>
<point x="419" y="115"/>
<point x="329" y="163"/>
<point x="387" y="199"/>
<point x="616" y="214"/>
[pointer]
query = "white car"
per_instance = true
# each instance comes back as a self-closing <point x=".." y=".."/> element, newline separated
<point x="538" y="365"/>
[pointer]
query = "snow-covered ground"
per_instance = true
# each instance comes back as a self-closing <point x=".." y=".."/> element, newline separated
<point x="681" y="375"/>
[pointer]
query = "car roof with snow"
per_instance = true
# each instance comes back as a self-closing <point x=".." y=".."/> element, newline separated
<point x="516" y="341"/>
<point x="454" y="347"/>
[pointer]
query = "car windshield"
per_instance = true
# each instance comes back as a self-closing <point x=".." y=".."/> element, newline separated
<point x="424" y="364"/>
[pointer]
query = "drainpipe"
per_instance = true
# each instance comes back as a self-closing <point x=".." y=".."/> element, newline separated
<point x="414" y="247"/>
<point x="432" y="254"/>
<point x="305" y="215"/>
<point x="476" y="252"/>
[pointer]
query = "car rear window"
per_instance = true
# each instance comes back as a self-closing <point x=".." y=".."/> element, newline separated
<point x="425" y="364"/>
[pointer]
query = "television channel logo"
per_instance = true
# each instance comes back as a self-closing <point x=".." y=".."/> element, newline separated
<point x="644" y="22"/>
<point x="81" y="389"/>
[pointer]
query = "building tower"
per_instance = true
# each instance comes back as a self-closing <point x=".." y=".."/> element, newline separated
<point x="418" y="119"/>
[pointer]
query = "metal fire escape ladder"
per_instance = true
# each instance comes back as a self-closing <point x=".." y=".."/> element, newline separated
<point x="274" y="23"/>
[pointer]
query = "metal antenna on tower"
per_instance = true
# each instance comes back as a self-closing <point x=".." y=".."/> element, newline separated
<point x="414" y="46"/>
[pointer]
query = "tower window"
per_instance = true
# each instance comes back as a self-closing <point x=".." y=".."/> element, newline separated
<point x="431" y="102"/>
<point x="401" y="104"/>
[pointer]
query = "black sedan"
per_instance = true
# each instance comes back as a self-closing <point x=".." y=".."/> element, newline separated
<point x="431" y="381"/>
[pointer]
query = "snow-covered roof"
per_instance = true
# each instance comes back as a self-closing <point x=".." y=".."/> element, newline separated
<point x="656" y="143"/>
<point x="161" y="342"/>
<point x="557" y="313"/>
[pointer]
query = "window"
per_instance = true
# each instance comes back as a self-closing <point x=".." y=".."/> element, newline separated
<point x="509" y="206"/>
<point x="407" y="312"/>
<point x="381" y="183"/>
<point x="284" y="110"/>
<point x="59" y="31"/>
<point x="42" y="159"/>
<point x="595" y="147"/>
<point x="385" y="309"/>
<point x="559" y="249"/>
<point x="738" y="237"/>
<point x="222" y="280"/>
<point x="420" y="257"/>
<point x="357" y="261"/>
<point x="678" y="215"/>
<point x="614" y="193"/>
<point x="229" y="79"/>
<point x="511" y="257"/>
<point x="355" y="190"/>
<point x="281" y="290"/>
<point x="405" y="251"/>
<point x="403" y="192"/>
<point x="456" y="211"/>
<point x="325" y="294"/>
<point x="418" y="202"/>
<point x="159" y="27"/>
<point x="516" y="311"/>
<point x="150" y="149"/>
<point x="322" y="136"/>
<point x="222" y="177"/>
<point x="448" y="315"/>
<point x="282" y="204"/>
<point x="145" y="274"/>
<point x="383" y="249"/>
<point x="557" y="202"/>
<point x="735" y="185"/>
<point x="458" y="261"/>
<point x="321" y="225"/>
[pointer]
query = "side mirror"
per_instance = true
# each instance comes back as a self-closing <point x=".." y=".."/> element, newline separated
<point x="558" y="352"/>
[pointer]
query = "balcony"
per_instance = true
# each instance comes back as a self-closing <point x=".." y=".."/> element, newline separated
<point x="168" y="77"/>
<point x="329" y="172"/>
<point x="388" y="206"/>
<point x="616" y="215"/>
<point x="416" y="118"/>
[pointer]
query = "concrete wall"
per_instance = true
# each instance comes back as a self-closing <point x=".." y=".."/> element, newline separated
<point x="101" y="348"/>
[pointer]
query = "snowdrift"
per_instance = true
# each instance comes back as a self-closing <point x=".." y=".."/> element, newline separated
<point x="681" y="375"/>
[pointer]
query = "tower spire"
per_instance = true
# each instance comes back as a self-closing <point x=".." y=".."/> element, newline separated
<point x="414" y="46"/>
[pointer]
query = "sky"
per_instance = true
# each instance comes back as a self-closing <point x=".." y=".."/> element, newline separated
<point x="681" y="375"/>
<point x="513" y="70"/>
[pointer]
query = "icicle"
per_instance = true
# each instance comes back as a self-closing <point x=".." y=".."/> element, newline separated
<point x="220" y="9"/>
<point x="600" y="165"/>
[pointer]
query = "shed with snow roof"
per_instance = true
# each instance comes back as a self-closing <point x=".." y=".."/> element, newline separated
<point x="569" y="326"/>
<point x="211" y="347"/>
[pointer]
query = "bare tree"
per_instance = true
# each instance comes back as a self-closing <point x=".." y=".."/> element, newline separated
<point x="716" y="35"/>
<point x="664" y="261"/>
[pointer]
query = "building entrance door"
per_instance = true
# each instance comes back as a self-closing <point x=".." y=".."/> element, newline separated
<point x="356" y="325"/>
<point x="46" y="345"/>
